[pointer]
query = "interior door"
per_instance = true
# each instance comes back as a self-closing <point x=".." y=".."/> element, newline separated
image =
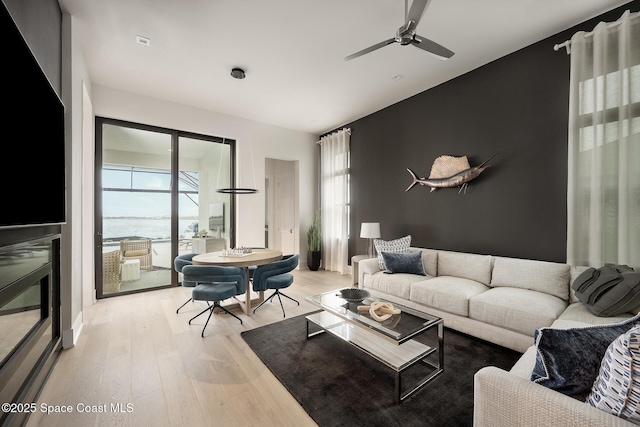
<point x="285" y="196"/>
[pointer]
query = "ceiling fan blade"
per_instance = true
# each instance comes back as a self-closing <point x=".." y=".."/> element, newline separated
<point x="432" y="47"/>
<point x="417" y="10"/>
<point x="370" y="49"/>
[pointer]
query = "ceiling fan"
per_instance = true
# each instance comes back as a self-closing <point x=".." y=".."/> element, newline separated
<point x="406" y="34"/>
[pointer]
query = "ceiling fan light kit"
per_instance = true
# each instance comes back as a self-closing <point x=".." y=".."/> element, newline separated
<point x="406" y="35"/>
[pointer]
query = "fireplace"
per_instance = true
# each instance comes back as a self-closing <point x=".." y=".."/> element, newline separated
<point x="29" y="317"/>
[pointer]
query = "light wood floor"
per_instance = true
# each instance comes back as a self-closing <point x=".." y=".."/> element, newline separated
<point x="136" y="350"/>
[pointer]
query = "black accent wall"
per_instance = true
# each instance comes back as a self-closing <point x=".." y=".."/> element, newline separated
<point x="517" y="207"/>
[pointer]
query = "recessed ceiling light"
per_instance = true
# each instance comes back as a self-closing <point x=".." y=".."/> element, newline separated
<point x="143" y="40"/>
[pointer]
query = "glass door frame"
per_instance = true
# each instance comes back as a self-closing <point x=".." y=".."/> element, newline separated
<point x="175" y="159"/>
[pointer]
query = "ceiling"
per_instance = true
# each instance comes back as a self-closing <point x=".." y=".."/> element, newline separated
<point x="293" y="50"/>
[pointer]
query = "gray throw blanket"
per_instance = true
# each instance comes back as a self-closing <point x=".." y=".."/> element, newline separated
<point x="610" y="290"/>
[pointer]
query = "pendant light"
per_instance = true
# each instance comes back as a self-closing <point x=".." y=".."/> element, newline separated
<point x="237" y="190"/>
<point x="238" y="73"/>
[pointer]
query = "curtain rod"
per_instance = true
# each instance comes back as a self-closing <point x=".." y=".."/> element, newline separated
<point x="567" y="43"/>
<point x="348" y="130"/>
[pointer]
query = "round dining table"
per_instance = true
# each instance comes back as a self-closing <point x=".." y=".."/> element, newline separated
<point x="256" y="258"/>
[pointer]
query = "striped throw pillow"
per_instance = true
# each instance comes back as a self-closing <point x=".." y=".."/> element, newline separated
<point x="617" y="387"/>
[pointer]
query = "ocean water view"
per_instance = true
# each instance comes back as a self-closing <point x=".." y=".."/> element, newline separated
<point x="152" y="228"/>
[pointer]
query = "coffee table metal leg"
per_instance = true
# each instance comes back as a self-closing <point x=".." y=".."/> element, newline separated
<point x="399" y="396"/>
<point x="310" y="335"/>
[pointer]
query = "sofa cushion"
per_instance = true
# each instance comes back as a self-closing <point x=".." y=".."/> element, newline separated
<point x="393" y="284"/>
<point x="468" y="266"/>
<point x="410" y="263"/>
<point x="568" y="360"/>
<point x="429" y="260"/>
<point x="580" y="313"/>
<point x="548" y="277"/>
<point x="519" y="310"/>
<point x="447" y="293"/>
<point x="617" y="386"/>
<point x="524" y="366"/>
<point x="398" y="246"/>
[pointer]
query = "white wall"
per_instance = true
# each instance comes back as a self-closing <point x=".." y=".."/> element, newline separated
<point x="254" y="142"/>
<point x="75" y="265"/>
<point x="264" y="141"/>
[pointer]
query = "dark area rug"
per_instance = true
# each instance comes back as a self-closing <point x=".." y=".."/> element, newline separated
<point x="338" y="385"/>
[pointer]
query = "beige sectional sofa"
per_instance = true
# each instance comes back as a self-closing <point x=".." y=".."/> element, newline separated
<point x="501" y="300"/>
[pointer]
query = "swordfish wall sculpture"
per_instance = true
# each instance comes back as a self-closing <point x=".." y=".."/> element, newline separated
<point x="449" y="172"/>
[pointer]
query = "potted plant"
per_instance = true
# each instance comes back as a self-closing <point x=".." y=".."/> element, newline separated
<point x="313" y="241"/>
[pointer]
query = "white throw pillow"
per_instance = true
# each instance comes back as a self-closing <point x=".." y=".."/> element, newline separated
<point x="617" y="387"/>
<point x="397" y="246"/>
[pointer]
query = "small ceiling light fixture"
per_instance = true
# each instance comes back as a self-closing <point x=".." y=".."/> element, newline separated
<point x="238" y="73"/>
<point x="143" y="40"/>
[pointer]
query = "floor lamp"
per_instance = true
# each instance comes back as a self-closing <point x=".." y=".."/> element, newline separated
<point x="370" y="230"/>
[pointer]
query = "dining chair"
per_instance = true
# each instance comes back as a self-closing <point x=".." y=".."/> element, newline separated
<point x="215" y="284"/>
<point x="178" y="264"/>
<point x="275" y="275"/>
<point x="252" y="268"/>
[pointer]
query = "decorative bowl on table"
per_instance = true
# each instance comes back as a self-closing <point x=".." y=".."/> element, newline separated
<point x="353" y="295"/>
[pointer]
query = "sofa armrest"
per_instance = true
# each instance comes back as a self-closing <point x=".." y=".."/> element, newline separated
<point x="502" y="399"/>
<point x="367" y="266"/>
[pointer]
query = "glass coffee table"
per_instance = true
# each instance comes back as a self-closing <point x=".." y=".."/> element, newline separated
<point x="398" y="342"/>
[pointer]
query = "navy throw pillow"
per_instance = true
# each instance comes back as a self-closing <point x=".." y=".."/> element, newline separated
<point x="568" y="360"/>
<point x="404" y="263"/>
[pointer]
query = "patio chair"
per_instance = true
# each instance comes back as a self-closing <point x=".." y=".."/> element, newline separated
<point x="137" y="249"/>
<point x="111" y="272"/>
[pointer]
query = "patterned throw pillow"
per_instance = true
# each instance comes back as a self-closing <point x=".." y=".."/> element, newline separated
<point x="617" y="388"/>
<point x="398" y="246"/>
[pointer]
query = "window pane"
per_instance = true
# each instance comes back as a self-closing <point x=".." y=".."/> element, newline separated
<point x="116" y="178"/>
<point x="157" y="180"/>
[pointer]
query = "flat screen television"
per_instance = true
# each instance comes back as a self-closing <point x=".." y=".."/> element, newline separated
<point x="32" y="152"/>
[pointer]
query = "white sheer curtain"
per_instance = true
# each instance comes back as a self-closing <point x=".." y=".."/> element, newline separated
<point x="603" y="206"/>
<point x="335" y="164"/>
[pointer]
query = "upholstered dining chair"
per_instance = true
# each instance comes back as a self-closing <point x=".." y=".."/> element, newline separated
<point x="252" y="268"/>
<point x="215" y="283"/>
<point x="275" y="275"/>
<point x="178" y="264"/>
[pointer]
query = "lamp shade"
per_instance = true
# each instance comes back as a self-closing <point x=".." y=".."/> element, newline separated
<point x="370" y="230"/>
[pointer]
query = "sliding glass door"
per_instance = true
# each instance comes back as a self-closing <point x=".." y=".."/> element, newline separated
<point x="155" y="199"/>
<point x="204" y="214"/>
